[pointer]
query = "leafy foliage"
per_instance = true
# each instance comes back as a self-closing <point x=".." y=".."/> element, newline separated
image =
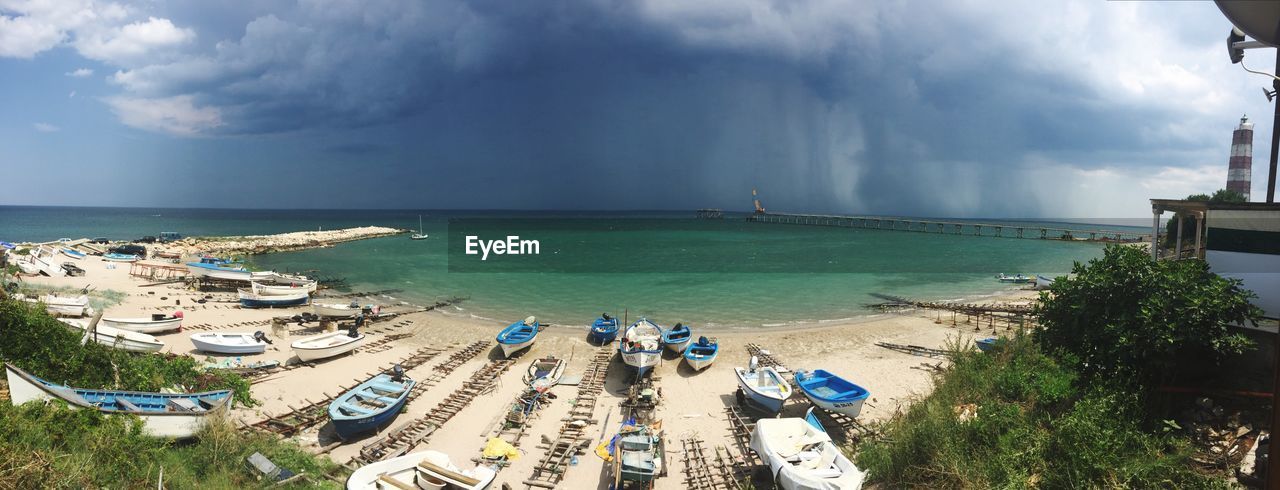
<point x="1126" y="317"/>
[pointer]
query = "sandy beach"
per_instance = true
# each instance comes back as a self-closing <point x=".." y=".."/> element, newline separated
<point x="693" y="404"/>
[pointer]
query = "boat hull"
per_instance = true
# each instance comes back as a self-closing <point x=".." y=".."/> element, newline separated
<point x="73" y="254"/>
<point x="700" y="361"/>
<point x="518" y="336"/>
<point x="119" y="339"/>
<point x="601" y="337"/>
<point x="337" y="311"/>
<point x="226" y="274"/>
<point x="219" y="343"/>
<point x="677" y="347"/>
<point x="766" y="400"/>
<point x="774" y="441"/>
<point x="509" y="349"/>
<point x="404" y="470"/>
<point x="248" y="299"/>
<point x="280" y="290"/>
<point x="307" y="350"/>
<point x="120" y="258"/>
<point x="144" y="325"/>
<point x="347" y="426"/>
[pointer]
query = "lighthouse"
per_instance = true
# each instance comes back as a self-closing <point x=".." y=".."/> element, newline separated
<point x="1240" y="168"/>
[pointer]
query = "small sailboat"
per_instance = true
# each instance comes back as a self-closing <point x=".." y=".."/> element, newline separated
<point x="231" y="342"/>
<point x="832" y="393"/>
<point x="1018" y="279"/>
<point x="157" y="323"/>
<point x="640" y="455"/>
<point x="116" y="257"/>
<point x="641" y="345"/>
<point x="73" y="253"/>
<point x="801" y="455"/>
<point x="763" y="386"/>
<point x="603" y="330"/>
<point x="677" y="338"/>
<point x="518" y="335"/>
<point x="327" y="345"/>
<point x="420" y="235"/>
<point x="116" y="338"/>
<point x="425" y="470"/>
<point x="173" y="415"/>
<point x="250" y="299"/>
<point x="985" y="345"/>
<point x="702" y="353"/>
<point x="544" y="373"/>
<point x="373" y="404"/>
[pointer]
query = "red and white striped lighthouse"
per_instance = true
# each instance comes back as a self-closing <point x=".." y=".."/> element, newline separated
<point x="1240" y="169"/>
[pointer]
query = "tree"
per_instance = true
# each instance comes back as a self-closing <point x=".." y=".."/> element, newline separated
<point x="1126" y="317"/>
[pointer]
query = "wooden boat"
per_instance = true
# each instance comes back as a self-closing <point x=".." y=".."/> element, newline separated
<point x="677" y="338"/>
<point x="640" y="455"/>
<point x="115" y="257"/>
<point x="72" y="306"/>
<point x="215" y="268"/>
<point x="518" y="335"/>
<point x="327" y="345"/>
<point x="801" y="456"/>
<point x="1043" y="282"/>
<point x="173" y="415"/>
<point x="641" y="345"/>
<point x="282" y="288"/>
<point x="603" y="330"/>
<point x="985" y="345"/>
<point x="249" y="299"/>
<point x="75" y="254"/>
<point x="544" y="373"/>
<point x="145" y="325"/>
<point x="370" y="406"/>
<point x="426" y="470"/>
<point x="72" y="269"/>
<point x="420" y="235"/>
<point x="831" y="393"/>
<point x="116" y="338"/>
<point x="336" y="310"/>
<point x="764" y="386"/>
<point x="231" y="342"/>
<point x="702" y="353"/>
<point x="1018" y="279"/>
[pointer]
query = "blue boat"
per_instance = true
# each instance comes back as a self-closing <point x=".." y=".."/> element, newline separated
<point x="604" y="330"/>
<point x="832" y="393"/>
<point x="75" y="254"/>
<point x="115" y="257"/>
<point x="517" y="336"/>
<point x="677" y="338"/>
<point x="702" y="353"/>
<point x="373" y="404"/>
<point x="985" y="345"/>
<point x="176" y="415"/>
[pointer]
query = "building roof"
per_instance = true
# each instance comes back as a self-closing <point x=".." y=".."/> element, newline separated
<point x="1183" y="205"/>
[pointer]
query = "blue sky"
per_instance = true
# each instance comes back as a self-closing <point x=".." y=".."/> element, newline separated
<point x="962" y="108"/>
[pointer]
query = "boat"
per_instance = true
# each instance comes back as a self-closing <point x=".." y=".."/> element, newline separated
<point x="43" y="260"/>
<point x="336" y="310"/>
<point x="75" y="254"/>
<point x="327" y="344"/>
<point x="677" y="338"/>
<point x="801" y="455"/>
<point x="28" y="268"/>
<point x="282" y="288"/>
<point x="544" y="373"/>
<point x="231" y="342"/>
<point x="215" y="268"/>
<point x="370" y="406"/>
<point x="641" y="345"/>
<point x="72" y="306"/>
<point x="249" y="299"/>
<point x="72" y="269"/>
<point x="1018" y="279"/>
<point x="518" y="335"/>
<point x="116" y="338"/>
<point x="425" y="469"/>
<point x="985" y="345"/>
<point x="175" y="415"/>
<point x="702" y="353"/>
<point x="640" y="455"/>
<point x="603" y="330"/>
<point x="157" y="323"/>
<point x="763" y="385"/>
<point x="831" y="393"/>
<point x="1043" y="282"/>
<point x="115" y="257"/>
<point x="420" y="235"/>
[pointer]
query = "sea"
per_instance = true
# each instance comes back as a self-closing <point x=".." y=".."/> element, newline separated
<point x="667" y="266"/>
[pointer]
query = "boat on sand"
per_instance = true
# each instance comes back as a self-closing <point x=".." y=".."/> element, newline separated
<point x="327" y="345"/>
<point x="425" y="470"/>
<point x="763" y="386"/>
<point x="518" y="336"/>
<point x="801" y="456"/>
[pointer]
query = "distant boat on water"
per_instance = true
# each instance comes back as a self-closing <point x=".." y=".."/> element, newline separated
<point x="419" y="235"/>
<point x="1018" y="279"/>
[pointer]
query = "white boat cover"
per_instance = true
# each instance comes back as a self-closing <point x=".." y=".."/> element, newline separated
<point x="801" y="457"/>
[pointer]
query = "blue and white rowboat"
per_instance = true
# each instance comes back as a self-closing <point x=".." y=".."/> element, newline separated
<point x="75" y="254"/>
<point x="832" y="393"/>
<point x="763" y="386"/>
<point x="115" y="257"/>
<point x="677" y="338"/>
<point x="518" y="335"/>
<point x="702" y="353"/>
<point x="603" y="330"/>
<point x="373" y="404"/>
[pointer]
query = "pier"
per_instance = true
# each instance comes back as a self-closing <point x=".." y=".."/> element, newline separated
<point x="966" y="228"/>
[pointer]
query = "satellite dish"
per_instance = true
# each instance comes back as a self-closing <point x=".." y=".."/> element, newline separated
<point x="1260" y="19"/>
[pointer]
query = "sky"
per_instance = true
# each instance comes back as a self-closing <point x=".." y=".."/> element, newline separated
<point x="913" y="107"/>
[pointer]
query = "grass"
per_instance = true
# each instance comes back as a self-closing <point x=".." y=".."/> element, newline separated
<point x="1018" y="418"/>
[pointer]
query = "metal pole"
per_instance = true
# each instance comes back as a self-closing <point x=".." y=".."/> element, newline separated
<point x="1275" y="138"/>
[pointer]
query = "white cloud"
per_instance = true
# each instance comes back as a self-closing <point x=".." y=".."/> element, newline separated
<point x="30" y="27"/>
<point x="178" y="115"/>
<point x="133" y="42"/>
<point x="46" y="127"/>
<point x="80" y="72"/>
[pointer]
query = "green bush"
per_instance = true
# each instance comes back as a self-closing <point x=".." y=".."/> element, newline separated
<point x="1125" y="317"/>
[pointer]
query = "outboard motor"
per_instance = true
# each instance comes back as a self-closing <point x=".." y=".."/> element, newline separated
<point x="606" y="316"/>
<point x="261" y="337"/>
<point x="359" y="321"/>
<point x="352" y="331"/>
<point x="397" y="373"/>
<point x="354" y="304"/>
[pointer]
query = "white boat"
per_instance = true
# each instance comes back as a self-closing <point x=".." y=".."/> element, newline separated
<point x="1043" y="282"/>
<point x="116" y="338"/>
<point x="801" y="456"/>
<point x="282" y="288"/>
<point x="427" y="470"/>
<point x="45" y="261"/>
<point x="176" y="415"/>
<point x="544" y="373"/>
<point x="145" y="325"/>
<point x="763" y="385"/>
<point x="641" y="345"/>
<point x="72" y="306"/>
<point x="420" y="235"/>
<point x="326" y="345"/>
<point x="75" y="254"/>
<point x="28" y="268"/>
<point x="250" y="299"/>
<point x="518" y="336"/>
<point x="230" y="342"/>
<point x="336" y="310"/>
<point x="215" y="268"/>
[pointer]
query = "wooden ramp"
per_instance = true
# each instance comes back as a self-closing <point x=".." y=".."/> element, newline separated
<point x="572" y="438"/>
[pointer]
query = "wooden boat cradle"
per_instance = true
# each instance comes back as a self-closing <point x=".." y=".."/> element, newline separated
<point x="701" y="472"/>
<point x="573" y="438"/>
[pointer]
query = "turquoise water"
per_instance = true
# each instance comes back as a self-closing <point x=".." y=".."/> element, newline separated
<point x="777" y="278"/>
